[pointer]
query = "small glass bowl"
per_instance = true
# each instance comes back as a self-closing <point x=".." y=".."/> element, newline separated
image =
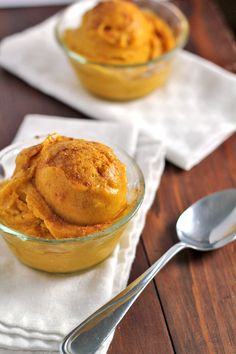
<point x="71" y="254"/>
<point x="123" y="82"/>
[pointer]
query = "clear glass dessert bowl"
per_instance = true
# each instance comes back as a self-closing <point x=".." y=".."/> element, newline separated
<point x="123" y="82"/>
<point x="77" y="253"/>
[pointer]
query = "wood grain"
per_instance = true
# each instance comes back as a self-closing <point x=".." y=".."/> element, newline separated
<point x="191" y="306"/>
<point x="197" y="291"/>
<point x="209" y="36"/>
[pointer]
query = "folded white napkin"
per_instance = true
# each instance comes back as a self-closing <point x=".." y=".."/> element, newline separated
<point x="38" y="309"/>
<point x="192" y="114"/>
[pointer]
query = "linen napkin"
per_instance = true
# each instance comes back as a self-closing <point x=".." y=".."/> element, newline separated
<point x="38" y="309"/>
<point x="192" y="114"/>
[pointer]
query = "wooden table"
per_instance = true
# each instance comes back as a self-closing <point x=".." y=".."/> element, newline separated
<point x="191" y="306"/>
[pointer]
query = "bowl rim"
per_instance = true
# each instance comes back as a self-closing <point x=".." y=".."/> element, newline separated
<point x="183" y="37"/>
<point x="92" y="236"/>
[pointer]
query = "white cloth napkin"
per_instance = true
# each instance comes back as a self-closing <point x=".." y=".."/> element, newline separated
<point x="38" y="309"/>
<point x="192" y="114"/>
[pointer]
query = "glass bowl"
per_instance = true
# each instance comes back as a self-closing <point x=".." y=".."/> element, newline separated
<point x="71" y="254"/>
<point x="123" y="82"/>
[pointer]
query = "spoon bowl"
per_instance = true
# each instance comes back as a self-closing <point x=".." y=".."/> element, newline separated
<point x="208" y="224"/>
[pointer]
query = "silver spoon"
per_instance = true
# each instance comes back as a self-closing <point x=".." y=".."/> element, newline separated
<point x="207" y="225"/>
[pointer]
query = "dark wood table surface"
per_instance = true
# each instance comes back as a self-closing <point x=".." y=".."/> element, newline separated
<point x="191" y="306"/>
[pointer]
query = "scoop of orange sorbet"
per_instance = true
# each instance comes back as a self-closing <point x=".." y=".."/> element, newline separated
<point x="64" y="188"/>
<point x="118" y="31"/>
<point x="83" y="182"/>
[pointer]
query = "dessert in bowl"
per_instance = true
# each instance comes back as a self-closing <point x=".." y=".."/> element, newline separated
<point x="67" y="202"/>
<point x="121" y="49"/>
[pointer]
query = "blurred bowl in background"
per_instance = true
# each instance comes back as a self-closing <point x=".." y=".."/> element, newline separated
<point x="120" y="81"/>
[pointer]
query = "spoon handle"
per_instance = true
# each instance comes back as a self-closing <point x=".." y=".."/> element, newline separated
<point x="91" y="334"/>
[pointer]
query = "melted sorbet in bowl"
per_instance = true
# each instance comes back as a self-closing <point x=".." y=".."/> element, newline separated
<point x="67" y="203"/>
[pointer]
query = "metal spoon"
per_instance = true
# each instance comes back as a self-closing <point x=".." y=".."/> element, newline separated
<point x="207" y="225"/>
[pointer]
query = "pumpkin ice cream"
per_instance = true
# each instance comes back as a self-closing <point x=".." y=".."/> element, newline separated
<point x="119" y="32"/>
<point x="64" y="188"/>
<point x="118" y="48"/>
